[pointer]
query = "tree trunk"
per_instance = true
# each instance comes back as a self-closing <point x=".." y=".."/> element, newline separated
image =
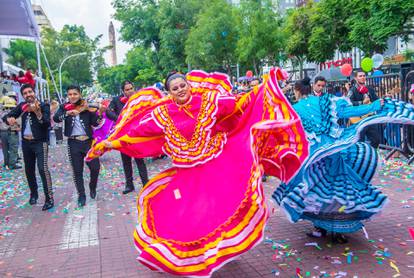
<point x="300" y="68"/>
<point x="255" y="67"/>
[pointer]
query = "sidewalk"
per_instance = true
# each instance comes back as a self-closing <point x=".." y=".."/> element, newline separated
<point x="96" y="241"/>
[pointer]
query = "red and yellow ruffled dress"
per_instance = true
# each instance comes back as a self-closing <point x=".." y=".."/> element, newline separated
<point x="210" y="207"/>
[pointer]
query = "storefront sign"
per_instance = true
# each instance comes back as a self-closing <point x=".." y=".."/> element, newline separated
<point x="336" y="63"/>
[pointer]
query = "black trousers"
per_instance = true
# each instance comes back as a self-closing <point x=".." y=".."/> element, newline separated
<point x="77" y="151"/>
<point x="36" y="152"/>
<point x="372" y="134"/>
<point x="127" y="165"/>
<point x="59" y="134"/>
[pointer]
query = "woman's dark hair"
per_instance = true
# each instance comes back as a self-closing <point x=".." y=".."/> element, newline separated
<point x="170" y="77"/>
<point x="126" y="82"/>
<point x="303" y="86"/>
<point x="21" y="73"/>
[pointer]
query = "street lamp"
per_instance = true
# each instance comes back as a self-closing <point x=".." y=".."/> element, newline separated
<point x="60" y="69"/>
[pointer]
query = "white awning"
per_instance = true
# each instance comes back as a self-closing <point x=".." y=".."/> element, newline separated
<point x="17" y="19"/>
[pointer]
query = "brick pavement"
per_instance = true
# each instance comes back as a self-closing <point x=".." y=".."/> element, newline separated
<point x="96" y="241"/>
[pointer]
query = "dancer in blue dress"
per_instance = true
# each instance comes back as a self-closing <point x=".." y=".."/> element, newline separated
<point x="333" y="189"/>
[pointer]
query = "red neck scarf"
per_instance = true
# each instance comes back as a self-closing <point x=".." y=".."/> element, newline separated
<point x="362" y="89"/>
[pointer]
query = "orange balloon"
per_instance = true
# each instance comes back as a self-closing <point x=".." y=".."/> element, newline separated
<point x="249" y="73"/>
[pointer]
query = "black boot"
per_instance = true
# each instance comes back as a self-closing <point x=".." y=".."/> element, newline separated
<point x="128" y="189"/>
<point x="81" y="200"/>
<point x="339" y="238"/>
<point x="48" y="204"/>
<point x="93" y="193"/>
<point x="33" y="200"/>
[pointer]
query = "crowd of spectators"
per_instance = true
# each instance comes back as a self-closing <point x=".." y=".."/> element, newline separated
<point x="22" y="77"/>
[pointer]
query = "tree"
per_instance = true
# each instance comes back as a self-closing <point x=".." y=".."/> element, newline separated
<point x="260" y="35"/>
<point x="175" y="19"/>
<point x="110" y="78"/>
<point x="297" y="29"/>
<point x="211" y="43"/>
<point x="138" y="67"/>
<point x="329" y="30"/>
<point x="70" y="40"/>
<point x="22" y="53"/>
<point x="161" y="26"/>
<point x="373" y="22"/>
<point x="139" y="25"/>
<point x="58" y="45"/>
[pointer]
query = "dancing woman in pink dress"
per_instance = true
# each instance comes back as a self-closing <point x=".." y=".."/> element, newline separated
<point x="210" y="207"/>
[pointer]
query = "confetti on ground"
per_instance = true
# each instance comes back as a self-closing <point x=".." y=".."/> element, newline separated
<point x="285" y="252"/>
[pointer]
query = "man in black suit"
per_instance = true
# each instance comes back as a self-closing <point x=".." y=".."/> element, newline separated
<point x="114" y="109"/>
<point x="363" y="94"/>
<point x="78" y="129"/>
<point x="35" y="129"/>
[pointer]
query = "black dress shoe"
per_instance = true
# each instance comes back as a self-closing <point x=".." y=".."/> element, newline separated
<point x="33" y="201"/>
<point x="93" y="193"/>
<point x="339" y="238"/>
<point x="48" y="205"/>
<point x="128" y="189"/>
<point x="82" y="201"/>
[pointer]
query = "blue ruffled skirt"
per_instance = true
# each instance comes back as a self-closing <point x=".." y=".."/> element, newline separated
<point x="333" y="189"/>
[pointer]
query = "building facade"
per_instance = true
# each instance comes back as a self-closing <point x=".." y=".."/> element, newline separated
<point x="41" y="17"/>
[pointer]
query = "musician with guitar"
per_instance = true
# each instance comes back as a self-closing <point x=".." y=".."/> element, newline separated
<point x="35" y="129"/>
<point x="363" y="94"/>
<point x="79" y="117"/>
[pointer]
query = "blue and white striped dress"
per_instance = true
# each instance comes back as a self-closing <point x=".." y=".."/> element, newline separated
<point x="333" y="188"/>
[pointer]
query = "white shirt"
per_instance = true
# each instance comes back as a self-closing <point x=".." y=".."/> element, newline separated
<point x="28" y="129"/>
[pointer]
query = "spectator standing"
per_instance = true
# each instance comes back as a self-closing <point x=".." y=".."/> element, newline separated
<point x="318" y="86"/>
<point x="9" y="135"/>
<point x="361" y="94"/>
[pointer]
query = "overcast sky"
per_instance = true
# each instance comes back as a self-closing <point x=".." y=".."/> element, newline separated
<point x="94" y="15"/>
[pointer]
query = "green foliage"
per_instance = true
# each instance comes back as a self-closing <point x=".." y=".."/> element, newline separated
<point x="161" y="26"/>
<point x="22" y="53"/>
<point x="211" y="43"/>
<point x="70" y="40"/>
<point x="109" y="78"/>
<point x="261" y="39"/>
<point x="329" y="30"/>
<point x="214" y="35"/>
<point x="138" y="68"/>
<point x="138" y="18"/>
<point x="373" y="22"/>
<point x="175" y="19"/>
<point x="409" y="55"/>
<point x="297" y="29"/>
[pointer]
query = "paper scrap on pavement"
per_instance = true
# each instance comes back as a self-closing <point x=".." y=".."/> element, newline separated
<point x="177" y="194"/>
